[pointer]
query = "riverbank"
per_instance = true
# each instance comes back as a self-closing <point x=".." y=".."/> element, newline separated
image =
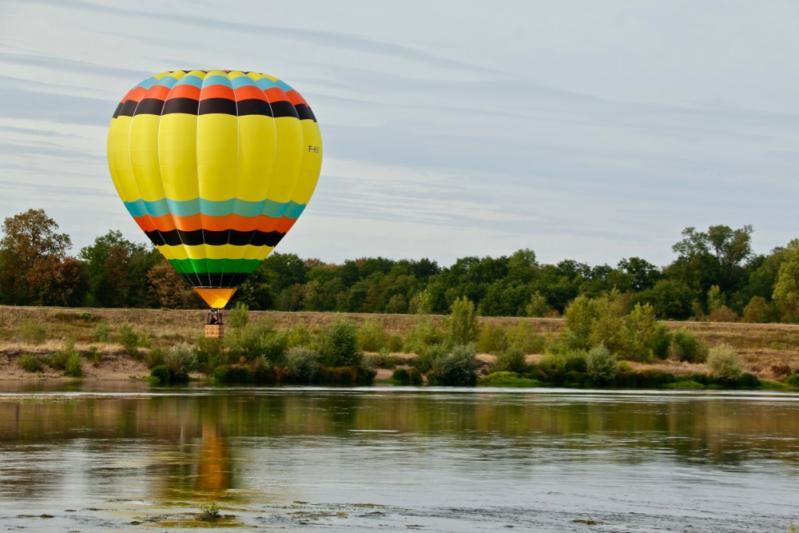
<point x="768" y="351"/>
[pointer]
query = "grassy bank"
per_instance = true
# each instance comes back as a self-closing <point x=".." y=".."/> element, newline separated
<point x="125" y="343"/>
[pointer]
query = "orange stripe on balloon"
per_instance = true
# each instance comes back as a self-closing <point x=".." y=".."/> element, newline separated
<point x="296" y="98"/>
<point x="185" y="91"/>
<point x="137" y="93"/>
<point x="159" y="92"/>
<point x="216" y="91"/>
<point x="222" y="223"/>
<point x="275" y="94"/>
<point x="249" y="92"/>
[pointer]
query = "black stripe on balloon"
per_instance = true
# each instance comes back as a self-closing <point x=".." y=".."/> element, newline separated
<point x="116" y="111"/>
<point x="126" y="109"/>
<point x="224" y="106"/>
<point x="253" y="107"/>
<point x="215" y="238"/>
<point x="149" y="106"/>
<point x="180" y="105"/>
<point x="219" y="280"/>
<point x="304" y="112"/>
<point x="283" y="109"/>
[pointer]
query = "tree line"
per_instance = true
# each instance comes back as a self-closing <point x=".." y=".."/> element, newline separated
<point x="715" y="275"/>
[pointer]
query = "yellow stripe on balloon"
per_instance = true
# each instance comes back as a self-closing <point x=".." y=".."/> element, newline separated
<point x="119" y="158"/>
<point x="256" y="156"/>
<point x="177" y="155"/>
<point x="311" y="162"/>
<point x="144" y="156"/>
<point x="225" y="251"/>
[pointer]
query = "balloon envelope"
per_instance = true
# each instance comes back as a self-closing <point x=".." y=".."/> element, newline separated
<point x="215" y="167"/>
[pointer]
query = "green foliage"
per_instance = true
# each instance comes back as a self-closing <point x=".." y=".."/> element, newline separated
<point x="102" y="332"/>
<point x="537" y="306"/>
<point x="425" y="360"/>
<point x="462" y="322"/>
<point x="94" y="356"/>
<point x="760" y="310"/>
<point x="580" y="317"/>
<point x="511" y="360"/>
<point x="723" y="362"/>
<point x="508" y="379"/>
<point x="686" y="347"/>
<point x="259" y="339"/>
<point x="642" y="335"/>
<point x="384" y="359"/>
<point x="786" y="288"/>
<point x="130" y="339"/>
<point x="209" y="353"/>
<point x="30" y="363"/>
<point x="523" y="336"/>
<point x="32" y="332"/>
<point x="73" y="367"/>
<point x="238" y="316"/>
<point x="406" y="376"/>
<point x="371" y="336"/>
<point x="154" y="358"/>
<point x="601" y="365"/>
<point x="567" y="368"/>
<point x="303" y="365"/>
<point x="492" y="339"/>
<point x="424" y="335"/>
<point x="458" y="368"/>
<point x="180" y="360"/>
<point x="298" y="335"/>
<point x="338" y="345"/>
<point x="608" y="324"/>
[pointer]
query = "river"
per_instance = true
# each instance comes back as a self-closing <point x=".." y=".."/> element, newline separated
<point x="395" y="459"/>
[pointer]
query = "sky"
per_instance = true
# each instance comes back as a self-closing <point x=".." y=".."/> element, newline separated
<point x="583" y="130"/>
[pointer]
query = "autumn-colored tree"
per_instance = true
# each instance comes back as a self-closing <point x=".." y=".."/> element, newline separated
<point x="170" y="289"/>
<point x="786" y="290"/>
<point x="55" y="281"/>
<point x="29" y="237"/>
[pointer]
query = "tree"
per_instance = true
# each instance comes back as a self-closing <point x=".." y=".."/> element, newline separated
<point x="28" y="238"/>
<point x="463" y="322"/>
<point x="169" y="288"/>
<point x="786" y="290"/>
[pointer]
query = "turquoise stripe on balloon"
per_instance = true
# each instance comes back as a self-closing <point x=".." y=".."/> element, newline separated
<point x="242" y="81"/>
<point x="216" y="80"/>
<point x="233" y="206"/>
<point x="149" y="82"/>
<point x="266" y="83"/>
<point x="190" y="80"/>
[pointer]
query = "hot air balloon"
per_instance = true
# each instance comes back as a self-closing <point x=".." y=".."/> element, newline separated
<point x="215" y="167"/>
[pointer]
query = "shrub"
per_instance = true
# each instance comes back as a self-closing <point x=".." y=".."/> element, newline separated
<point x="608" y="325"/>
<point x="424" y="335"/>
<point x="58" y="360"/>
<point x="209" y="353"/>
<point x="538" y="305"/>
<point x="642" y="335"/>
<point x="580" y="316"/>
<point x="180" y="360"/>
<point x="371" y="336"/>
<point x="73" y="366"/>
<point x="94" y="355"/>
<point x="30" y="363"/>
<point x="722" y="314"/>
<point x="129" y="339"/>
<point x="257" y="340"/>
<point x="238" y="316"/>
<point x="102" y="332"/>
<point x="524" y="337"/>
<point x="160" y="375"/>
<point x="511" y="360"/>
<point x="565" y="368"/>
<point x="492" y="339"/>
<point x="462" y="322"/>
<point x="458" y="368"/>
<point x="32" y="332"/>
<point x="154" y="358"/>
<point x="661" y="341"/>
<point x="232" y="375"/>
<point x="759" y="310"/>
<point x="401" y="376"/>
<point x="601" y="365"/>
<point x="425" y="360"/>
<point x="508" y="379"/>
<point x="302" y="364"/>
<point x="383" y="360"/>
<point x="686" y="347"/>
<point x="723" y="362"/>
<point x="298" y="336"/>
<point x="394" y="343"/>
<point x="338" y="345"/>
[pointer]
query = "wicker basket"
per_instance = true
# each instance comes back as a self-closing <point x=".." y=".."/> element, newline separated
<point x="214" y="331"/>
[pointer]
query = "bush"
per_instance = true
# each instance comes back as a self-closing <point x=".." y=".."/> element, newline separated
<point x="524" y="337"/>
<point x="686" y="347"/>
<point x="759" y="310"/>
<point x="580" y="316"/>
<point x="58" y="360"/>
<point x="180" y="360"/>
<point x="508" y="379"/>
<point x="30" y="363"/>
<point x="154" y="358"/>
<point x="94" y="355"/>
<point x="724" y="364"/>
<point x="160" y="375"/>
<point x="601" y="365"/>
<point x="661" y="341"/>
<point x="129" y="339"/>
<point x="722" y="314"/>
<point x="302" y="365"/>
<point x="424" y="335"/>
<point x="238" y="316"/>
<point x="492" y="339"/>
<point x="458" y="368"/>
<point x="383" y="360"/>
<point x="232" y="375"/>
<point x="425" y="360"/>
<point x="462" y="322"/>
<point x="511" y="360"/>
<point x="407" y="376"/>
<point x="257" y="340"/>
<point x="102" y="332"/>
<point x="210" y="354"/>
<point x="338" y="345"/>
<point x="32" y="332"/>
<point x="642" y="335"/>
<point x="538" y="305"/>
<point x="298" y="336"/>
<point x="73" y="366"/>
<point x="565" y="368"/>
<point x="608" y="326"/>
<point x="371" y="336"/>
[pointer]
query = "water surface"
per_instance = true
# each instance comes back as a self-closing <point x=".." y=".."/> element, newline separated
<point x="398" y="459"/>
